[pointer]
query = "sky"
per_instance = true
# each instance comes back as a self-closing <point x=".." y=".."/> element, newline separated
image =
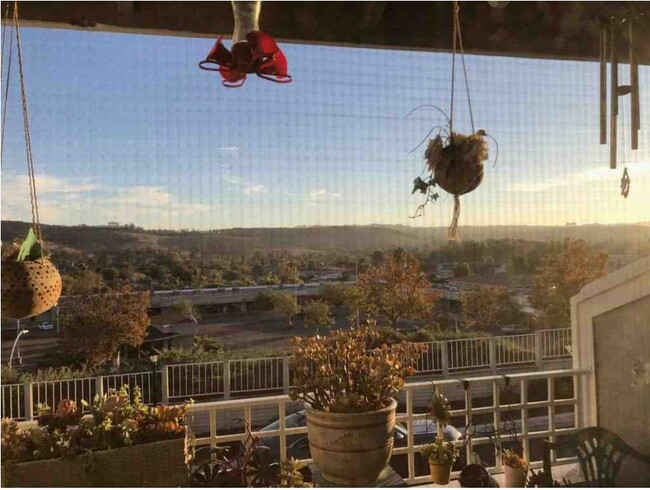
<point x="127" y="128"/>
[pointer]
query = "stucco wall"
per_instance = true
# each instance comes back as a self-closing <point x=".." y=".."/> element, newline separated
<point x="620" y="336"/>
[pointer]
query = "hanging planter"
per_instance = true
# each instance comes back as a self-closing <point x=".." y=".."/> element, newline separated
<point x="454" y="161"/>
<point x="252" y="51"/>
<point x="31" y="284"/>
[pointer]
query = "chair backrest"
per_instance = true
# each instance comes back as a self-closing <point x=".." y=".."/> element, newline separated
<point x="600" y="454"/>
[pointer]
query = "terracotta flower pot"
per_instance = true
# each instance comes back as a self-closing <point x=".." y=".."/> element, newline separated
<point x="351" y="449"/>
<point x="29" y="288"/>
<point x="515" y="477"/>
<point x="440" y="472"/>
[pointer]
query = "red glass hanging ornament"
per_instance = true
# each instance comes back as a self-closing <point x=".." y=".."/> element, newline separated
<point x="258" y="53"/>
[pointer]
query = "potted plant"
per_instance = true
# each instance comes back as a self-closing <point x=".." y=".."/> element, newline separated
<point x="121" y="443"/>
<point x="348" y="384"/>
<point x="440" y="453"/>
<point x="515" y="469"/>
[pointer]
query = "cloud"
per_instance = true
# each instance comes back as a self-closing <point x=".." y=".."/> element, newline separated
<point x="253" y="189"/>
<point x="596" y="174"/>
<point x="70" y="202"/>
<point x="229" y="149"/>
<point x="320" y="195"/>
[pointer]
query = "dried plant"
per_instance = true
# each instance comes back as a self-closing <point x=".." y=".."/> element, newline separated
<point x="441" y="451"/>
<point x="440" y="409"/>
<point x="343" y="373"/>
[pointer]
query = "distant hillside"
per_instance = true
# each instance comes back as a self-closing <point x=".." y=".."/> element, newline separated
<point x="318" y="238"/>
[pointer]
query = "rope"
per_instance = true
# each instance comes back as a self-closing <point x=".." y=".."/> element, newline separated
<point x="462" y="58"/>
<point x="457" y="42"/>
<point x="28" y="142"/>
<point x="4" y="106"/>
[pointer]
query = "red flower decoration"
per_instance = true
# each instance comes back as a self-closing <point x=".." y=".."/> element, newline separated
<point x="258" y="54"/>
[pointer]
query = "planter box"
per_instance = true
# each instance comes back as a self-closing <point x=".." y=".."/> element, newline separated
<point x="47" y="473"/>
<point x="157" y="464"/>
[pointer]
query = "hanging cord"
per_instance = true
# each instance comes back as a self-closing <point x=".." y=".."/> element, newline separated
<point x="8" y="82"/>
<point x="462" y="58"/>
<point x="457" y="42"/>
<point x="28" y="142"/>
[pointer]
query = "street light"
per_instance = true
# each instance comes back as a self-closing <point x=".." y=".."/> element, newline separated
<point x="11" y="357"/>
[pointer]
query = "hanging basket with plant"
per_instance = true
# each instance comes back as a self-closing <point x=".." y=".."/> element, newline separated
<point x="31" y="284"/>
<point x="454" y="161"/>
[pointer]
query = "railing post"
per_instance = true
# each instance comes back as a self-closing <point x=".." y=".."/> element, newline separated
<point x="492" y="346"/>
<point x="539" y="353"/>
<point x="164" y="384"/>
<point x="29" y="401"/>
<point x="444" y="358"/>
<point x="286" y="380"/>
<point x="99" y="386"/>
<point x="226" y="380"/>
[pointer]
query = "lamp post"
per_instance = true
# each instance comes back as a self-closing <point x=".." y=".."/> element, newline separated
<point x="11" y="357"/>
<point x="154" y="360"/>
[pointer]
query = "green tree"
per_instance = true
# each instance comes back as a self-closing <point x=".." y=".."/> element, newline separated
<point x="187" y="310"/>
<point x="565" y="270"/>
<point x="489" y="307"/>
<point x="83" y="282"/>
<point x="95" y="326"/>
<point x="395" y="290"/>
<point x="335" y="293"/>
<point x="317" y="314"/>
<point x="281" y="303"/>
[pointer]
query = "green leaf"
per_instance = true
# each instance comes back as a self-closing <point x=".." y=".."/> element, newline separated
<point x="30" y="249"/>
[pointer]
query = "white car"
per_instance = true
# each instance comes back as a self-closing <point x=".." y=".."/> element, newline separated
<point x="45" y="326"/>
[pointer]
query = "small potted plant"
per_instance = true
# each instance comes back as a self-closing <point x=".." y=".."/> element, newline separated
<point x="440" y="453"/>
<point x="515" y="469"/>
<point x="348" y="385"/>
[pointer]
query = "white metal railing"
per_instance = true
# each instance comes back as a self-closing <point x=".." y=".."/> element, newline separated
<point x="272" y="375"/>
<point x="212" y="422"/>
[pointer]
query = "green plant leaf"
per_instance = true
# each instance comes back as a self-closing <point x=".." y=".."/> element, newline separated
<point x="30" y="249"/>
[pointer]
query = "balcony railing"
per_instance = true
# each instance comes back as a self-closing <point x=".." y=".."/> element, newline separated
<point x="272" y="375"/>
<point x="494" y="401"/>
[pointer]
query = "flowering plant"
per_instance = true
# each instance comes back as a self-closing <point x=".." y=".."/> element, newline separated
<point x="115" y="421"/>
<point x="441" y="451"/>
<point x="343" y="372"/>
<point x="512" y="459"/>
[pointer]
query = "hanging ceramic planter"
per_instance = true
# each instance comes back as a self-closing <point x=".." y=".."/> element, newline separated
<point x="31" y="284"/>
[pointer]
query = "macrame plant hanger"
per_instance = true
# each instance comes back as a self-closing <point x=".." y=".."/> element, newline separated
<point x="454" y="160"/>
<point x="31" y="284"/>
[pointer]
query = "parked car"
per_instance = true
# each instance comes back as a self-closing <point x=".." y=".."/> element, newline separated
<point x="298" y="444"/>
<point x="45" y="326"/>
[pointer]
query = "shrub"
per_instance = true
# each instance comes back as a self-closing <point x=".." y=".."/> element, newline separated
<point x="344" y="373"/>
<point x="441" y="451"/>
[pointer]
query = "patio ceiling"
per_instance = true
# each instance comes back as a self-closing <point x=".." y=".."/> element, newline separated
<point x="561" y="30"/>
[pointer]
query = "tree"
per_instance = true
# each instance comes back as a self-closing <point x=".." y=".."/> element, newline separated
<point x="95" y="326"/>
<point x="489" y="307"/>
<point x="187" y="310"/>
<point x="396" y="290"/>
<point x="565" y="270"/>
<point x="280" y="303"/>
<point x="335" y="293"/>
<point x="84" y="282"/>
<point x="317" y="314"/>
<point x="461" y="269"/>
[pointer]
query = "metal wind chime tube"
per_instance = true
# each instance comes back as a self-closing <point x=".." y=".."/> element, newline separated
<point x="613" y="128"/>
<point x="609" y="53"/>
<point x="634" y="88"/>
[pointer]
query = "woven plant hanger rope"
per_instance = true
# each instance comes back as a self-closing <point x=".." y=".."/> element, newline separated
<point x="36" y="225"/>
<point x="11" y="46"/>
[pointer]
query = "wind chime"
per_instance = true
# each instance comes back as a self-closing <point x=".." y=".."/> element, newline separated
<point x="611" y="31"/>
<point x="253" y="51"/>
<point x="454" y="161"/>
<point x="31" y="284"/>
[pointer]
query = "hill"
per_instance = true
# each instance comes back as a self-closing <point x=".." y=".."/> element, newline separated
<point x="318" y="238"/>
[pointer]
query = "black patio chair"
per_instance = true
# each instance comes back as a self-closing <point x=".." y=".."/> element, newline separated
<point x="600" y="454"/>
